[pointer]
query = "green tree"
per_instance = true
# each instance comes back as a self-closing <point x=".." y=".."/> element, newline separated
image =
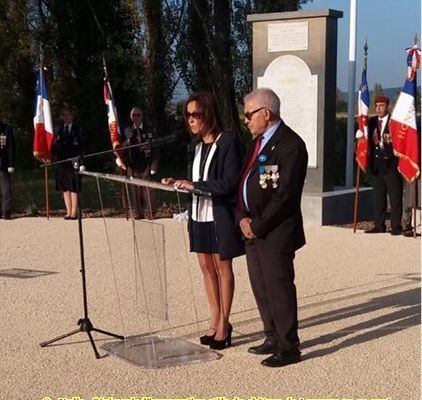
<point x="158" y="77"/>
<point x="17" y="74"/>
<point x="216" y="52"/>
<point x="75" y="36"/>
<point x="341" y="103"/>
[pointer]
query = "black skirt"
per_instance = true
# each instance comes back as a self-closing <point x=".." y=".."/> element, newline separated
<point x="203" y="238"/>
<point x="66" y="178"/>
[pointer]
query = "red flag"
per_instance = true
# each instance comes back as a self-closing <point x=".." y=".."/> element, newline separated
<point x="362" y="148"/>
<point x="403" y="125"/>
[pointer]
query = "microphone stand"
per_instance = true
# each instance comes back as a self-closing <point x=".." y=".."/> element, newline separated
<point x="85" y="325"/>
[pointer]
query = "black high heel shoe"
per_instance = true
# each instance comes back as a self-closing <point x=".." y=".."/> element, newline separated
<point x="222" y="344"/>
<point x="206" y="339"/>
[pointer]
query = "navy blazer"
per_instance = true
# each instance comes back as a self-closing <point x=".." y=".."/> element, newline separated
<point x="381" y="159"/>
<point x="7" y="147"/>
<point x="68" y="145"/>
<point x="141" y="159"/>
<point x="223" y="176"/>
<point x="275" y="212"/>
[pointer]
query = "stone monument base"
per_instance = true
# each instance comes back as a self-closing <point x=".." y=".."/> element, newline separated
<point x="336" y="207"/>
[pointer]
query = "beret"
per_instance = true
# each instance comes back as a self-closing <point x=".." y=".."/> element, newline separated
<point x="382" y="99"/>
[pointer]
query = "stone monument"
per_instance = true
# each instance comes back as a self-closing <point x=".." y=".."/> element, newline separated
<point x="295" y="54"/>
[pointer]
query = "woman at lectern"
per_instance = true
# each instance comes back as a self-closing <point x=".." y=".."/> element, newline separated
<point x="214" y="168"/>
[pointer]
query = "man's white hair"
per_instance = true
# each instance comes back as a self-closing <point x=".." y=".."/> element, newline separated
<point x="136" y="109"/>
<point x="265" y="97"/>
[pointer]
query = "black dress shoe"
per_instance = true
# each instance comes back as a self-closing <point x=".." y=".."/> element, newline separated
<point x="67" y="217"/>
<point x="408" y="233"/>
<point x="396" y="232"/>
<point x="268" y="347"/>
<point x="222" y="344"/>
<point x="206" y="339"/>
<point x="282" y="358"/>
<point x="375" y="230"/>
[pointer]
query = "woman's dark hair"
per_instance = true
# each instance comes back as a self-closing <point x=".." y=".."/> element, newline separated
<point x="208" y="110"/>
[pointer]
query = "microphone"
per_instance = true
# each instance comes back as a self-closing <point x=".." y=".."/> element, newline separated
<point x="200" y="192"/>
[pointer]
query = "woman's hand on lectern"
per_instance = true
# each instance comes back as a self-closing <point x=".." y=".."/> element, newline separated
<point x="168" y="181"/>
<point x="183" y="184"/>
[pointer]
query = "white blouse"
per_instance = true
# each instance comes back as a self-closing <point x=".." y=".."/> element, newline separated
<point x="202" y="205"/>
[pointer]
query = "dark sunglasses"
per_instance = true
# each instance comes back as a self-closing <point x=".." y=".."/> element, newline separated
<point x="250" y="114"/>
<point x="194" y="115"/>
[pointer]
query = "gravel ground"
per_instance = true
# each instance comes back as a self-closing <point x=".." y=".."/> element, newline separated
<point x="359" y="311"/>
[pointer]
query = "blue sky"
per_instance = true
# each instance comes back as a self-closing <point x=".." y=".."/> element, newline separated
<point x="388" y="25"/>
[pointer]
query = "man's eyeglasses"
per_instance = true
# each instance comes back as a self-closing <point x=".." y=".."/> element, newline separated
<point x="136" y="115"/>
<point x="249" y="115"/>
<point x="194" y="115"/>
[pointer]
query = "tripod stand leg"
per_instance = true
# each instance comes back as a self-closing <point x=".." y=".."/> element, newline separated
<point x="84" y="323"/>
<point x="43" y="344"/>
<point x="108" y="333"/>
<point x="97" y="355"/>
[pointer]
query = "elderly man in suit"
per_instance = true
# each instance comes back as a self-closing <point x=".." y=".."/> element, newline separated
<point x="142" y="162"/>
<point x="270" y="218"/>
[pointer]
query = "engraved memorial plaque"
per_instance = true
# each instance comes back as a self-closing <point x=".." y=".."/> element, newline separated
<point x="290" y="77"/>
<point x="288" y="36"/>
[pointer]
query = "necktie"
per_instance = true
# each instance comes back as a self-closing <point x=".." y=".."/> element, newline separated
<point x="66" y="130"/>
<point x="138" y="135"/>
<point x="246" y="171"/>
<point x="377" y="136"/>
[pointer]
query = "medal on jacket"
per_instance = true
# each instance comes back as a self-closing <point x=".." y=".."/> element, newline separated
<point x="268" y="174"/>
<point x="274" y="176"/>
<point x="262" y="174"/>
<point x="147" y="137"/>
<point x="2" y="140"/>
<point x="262" y="177"/>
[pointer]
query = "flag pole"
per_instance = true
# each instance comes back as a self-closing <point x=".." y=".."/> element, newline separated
<point x="415" y="203"/>
<point x="351" y="96"/>
<point x="355" y="211"/>
<point x="415" y="184"/>
<point x="47" y="204"/>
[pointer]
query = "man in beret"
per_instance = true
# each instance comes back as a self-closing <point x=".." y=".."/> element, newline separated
<point x="386" y="178"/>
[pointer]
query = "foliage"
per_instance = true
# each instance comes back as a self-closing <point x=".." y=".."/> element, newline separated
<point x="155" y="52"/>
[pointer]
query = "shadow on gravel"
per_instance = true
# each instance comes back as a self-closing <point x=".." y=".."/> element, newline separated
<point x="405" y="307"/>
<point x="404" y="312"/>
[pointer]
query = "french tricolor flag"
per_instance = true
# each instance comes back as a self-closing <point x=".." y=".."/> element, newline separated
<point x="403" y="125"/>
<point x="116" y="135"/>
<point x="362" y="147"/>
<point x="43" y="126"/>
